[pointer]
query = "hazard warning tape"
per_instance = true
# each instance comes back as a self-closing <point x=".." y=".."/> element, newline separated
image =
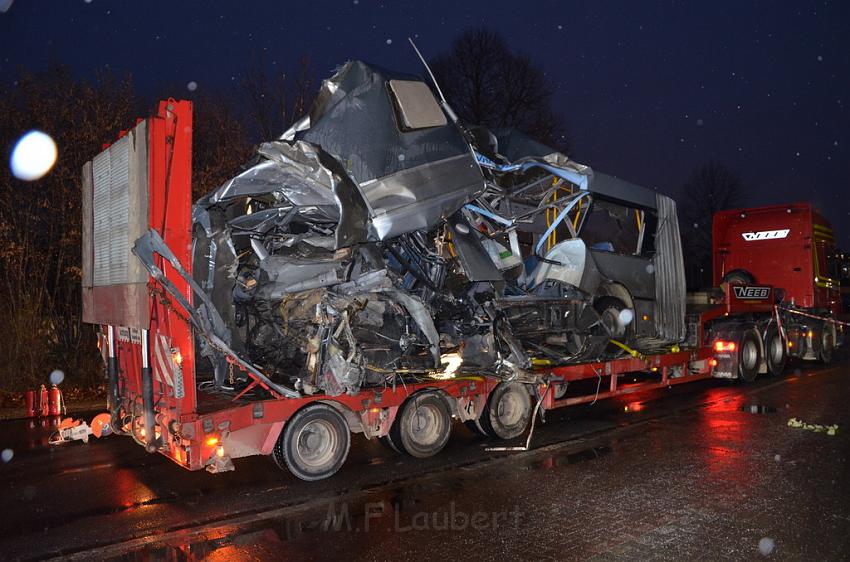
<point x="807" y="315"/>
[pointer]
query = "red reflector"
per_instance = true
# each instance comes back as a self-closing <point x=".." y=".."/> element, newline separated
<point x="724" y="346"/>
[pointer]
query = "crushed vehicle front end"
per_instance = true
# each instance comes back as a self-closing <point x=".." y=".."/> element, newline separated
<point x="378" y="242"/>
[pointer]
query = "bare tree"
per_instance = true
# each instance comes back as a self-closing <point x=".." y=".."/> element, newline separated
<point x="274" y="101"/>
<point x="41" y="324"/>
<point x="40" y="222"/>
<point x="220" y="143"/>
<point x="488" y="84"/>
<point x="710" y="188"/>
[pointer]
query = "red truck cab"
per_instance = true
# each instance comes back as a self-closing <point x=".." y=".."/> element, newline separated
<point x="787" y="246"/>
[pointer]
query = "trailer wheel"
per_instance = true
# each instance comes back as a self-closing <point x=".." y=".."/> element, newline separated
<point x="774" y="351"/>
<point x="314" y="443"/>
<point x="749" y="356"/>
<point x="508" y="411"/>
<point x="827" y="344"/>
<point x="423" y="425"/>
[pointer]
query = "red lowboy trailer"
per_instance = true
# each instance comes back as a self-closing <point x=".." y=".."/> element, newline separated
<point x="142" y="183"/>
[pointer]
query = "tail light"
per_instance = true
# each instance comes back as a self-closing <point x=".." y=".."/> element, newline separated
<point x="722" y="346"/>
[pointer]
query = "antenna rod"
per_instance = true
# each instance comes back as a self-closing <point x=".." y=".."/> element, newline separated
<point x="425" y="64"/>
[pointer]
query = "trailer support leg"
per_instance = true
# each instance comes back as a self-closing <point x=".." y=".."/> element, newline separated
<point x="147" y="393"/>
<point x="113" y="400"/>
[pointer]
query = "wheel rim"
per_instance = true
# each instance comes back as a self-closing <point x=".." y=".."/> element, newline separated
<point x="777" y="350"/>
<point x="749" y="355"/>
<point x="316" y="444"/>
<point x="826" y="341"/>
<point x="611" y="320"/>
<point x="426" y="425"/>
<point x="510" y="409"/>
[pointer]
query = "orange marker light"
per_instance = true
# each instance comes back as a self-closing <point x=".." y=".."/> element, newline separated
<point x="724" y="346"/>
<point x="713" y="362"/>
<point x="212" y="441"/>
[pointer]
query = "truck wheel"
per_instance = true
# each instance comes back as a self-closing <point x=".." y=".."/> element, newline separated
<point x="774" y="351"/>
<point x="508" y="411"/>
<point x="423" y="426"/>
<point x="827" y="344"/>
<point x="749" y="356"/>
<point x="738" y="277"/>
<point x="314" y="443"/>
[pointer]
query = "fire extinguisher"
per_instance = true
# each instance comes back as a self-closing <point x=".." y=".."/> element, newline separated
<point x="31" y="408"/>
<point x="43" y="401"/>
<point x="55" y="402"/>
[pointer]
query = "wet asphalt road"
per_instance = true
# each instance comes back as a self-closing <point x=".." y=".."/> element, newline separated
<point x="681" y="473"/>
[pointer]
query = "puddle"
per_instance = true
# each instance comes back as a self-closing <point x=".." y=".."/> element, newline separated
<point x="565" y="459"/>
<point x="756" y="409"/>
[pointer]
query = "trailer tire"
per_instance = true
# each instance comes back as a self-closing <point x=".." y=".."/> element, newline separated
<point x="314" y="443"/>
<point x="775" y="351"/>
<point x="508" y="411"/>
<point x="423" y="425"/>
<point x="827" y="344"/>
<point x="749" y="356"/>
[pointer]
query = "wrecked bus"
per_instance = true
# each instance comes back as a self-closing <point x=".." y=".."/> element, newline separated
<point x="381" y="267"/>
<point x="374" y="239"/>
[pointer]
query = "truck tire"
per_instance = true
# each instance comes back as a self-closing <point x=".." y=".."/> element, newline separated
<point x="827" y="343"/>
<point x="774" y="351"/>
<point x="314" y="443"/>
<point x="749" y="356"/>
<point x="738" y="277"/>
<point x="423" y="425"/>
<point x="508" y="411"/>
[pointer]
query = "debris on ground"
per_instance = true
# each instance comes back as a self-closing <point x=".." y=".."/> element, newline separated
<point x="816" y="427"/>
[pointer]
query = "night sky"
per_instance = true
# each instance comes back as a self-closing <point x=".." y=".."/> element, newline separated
<point x="648" y="90"/>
